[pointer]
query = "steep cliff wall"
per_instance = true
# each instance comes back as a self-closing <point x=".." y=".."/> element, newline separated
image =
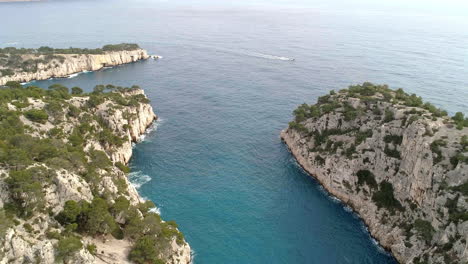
<point x="401" y="165"/>
<point x="64" y="157"/>
<point x="73" y="63"/>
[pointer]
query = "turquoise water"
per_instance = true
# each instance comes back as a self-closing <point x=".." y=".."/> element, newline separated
<point x="223" y="92"/>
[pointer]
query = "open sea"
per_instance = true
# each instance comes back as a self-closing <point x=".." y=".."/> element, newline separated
<point x="225" y="88"/>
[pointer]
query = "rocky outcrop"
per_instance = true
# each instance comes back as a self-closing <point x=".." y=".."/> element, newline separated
<point x="115" y="123"/>
<point x="400" y="164"/>
<point x="75" y="63"/>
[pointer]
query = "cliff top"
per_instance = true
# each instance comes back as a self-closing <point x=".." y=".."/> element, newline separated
<point x="24" y="60"/>
<point x="401" y="163"/>
<point x="63" y="182"/>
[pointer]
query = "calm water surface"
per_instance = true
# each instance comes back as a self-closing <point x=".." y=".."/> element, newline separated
<point x="223" y="92"/>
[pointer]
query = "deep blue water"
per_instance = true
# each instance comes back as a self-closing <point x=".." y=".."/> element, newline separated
<point x="215" y="163"/>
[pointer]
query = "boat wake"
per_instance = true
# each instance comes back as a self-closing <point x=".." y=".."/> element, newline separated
<point x="267" y="56"/>
<point x="249" y="53"/>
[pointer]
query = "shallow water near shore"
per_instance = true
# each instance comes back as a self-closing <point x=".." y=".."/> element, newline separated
<point x="226" y="87"/>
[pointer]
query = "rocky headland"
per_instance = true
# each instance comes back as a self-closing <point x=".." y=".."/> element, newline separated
<point x="64" y="192"/>
<point x="400" y="163"/>
<point x="25" y="65"/>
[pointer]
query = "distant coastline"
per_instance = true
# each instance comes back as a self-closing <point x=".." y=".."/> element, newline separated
<point x="25" y="65"/>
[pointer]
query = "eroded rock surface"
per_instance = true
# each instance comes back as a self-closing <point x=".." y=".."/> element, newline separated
<point x="399" y="163"/>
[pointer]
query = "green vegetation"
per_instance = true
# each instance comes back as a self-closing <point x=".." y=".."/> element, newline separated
<point x="366" y="177"/>
<point x="424" y="229"/>
<point x="463" y="188"/>
<point x="36" y="115"/>
<point x="455" y="214"/>
<point x="14" y="59"/>
<point x="25" y="155"/>
<point x="392" y="152"/>
<point x="67" y="247"/>
<point x="435" y="148"/>
<point x="48" y="50"/>
<point x="460" y="120"/>
<point x="361" y="136"/>
<point x="152" y="236"/>
<point x="393" y="139"/>
<point x="384" y="197"/>
<point x="389" y="116"/>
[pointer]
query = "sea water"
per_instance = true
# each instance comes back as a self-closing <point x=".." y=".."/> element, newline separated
<point x="228" y="81"/>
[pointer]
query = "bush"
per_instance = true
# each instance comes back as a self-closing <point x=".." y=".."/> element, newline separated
<point x="366" y="177"/>
<point x="392" y="152"/>
<point x="435" y="148"/>
<point x="25" y="192"/>
<point x="68" y="246"/>
<point x="361" y="136"/>
<point x="389" y="116"/>
<point x="384" y="197"/>
<point x="96" y="218"/>
<point x="320" y="160"/>
<point x="70" y="212"/>
<point x="92" y="249"/>
<point x="145" y="251"/>
<point x="393" y="139"/>
<point x="122" y="167"/>
<point x="424" y="229"/>
<point x="36" y="115"/>
<point x="76" y="90"/>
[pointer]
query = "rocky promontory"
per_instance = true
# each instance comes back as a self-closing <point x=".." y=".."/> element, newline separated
<point x="64" y="192"/>
<point x="25" y="65"/>
<point x="400" y="163"/>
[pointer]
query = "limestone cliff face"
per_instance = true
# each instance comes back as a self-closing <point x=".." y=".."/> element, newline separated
<point x="395" y="166"/>
<point x="129" y="123"/>
<point x="75" y="63"/>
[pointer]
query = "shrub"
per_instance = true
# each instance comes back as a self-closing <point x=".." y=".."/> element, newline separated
<point x="350" y="151"/>
<point x="92" y="249"/>
<point x="68" y="246"/>
<point x="70" y="212"/>
<point x="25" y="192"/>
<point x="463" y="188"/>
<point x="96" y="218"/>
<point x="424" y="229"/>
<point x="36" y="115"/>
<point x="297" y="126"/>
<point x="145" y="251"/>
<point x="389" y="116"/>
<point x="5" y="223"/>
<point x="435" y="148"/>
<point x="122" y="167"/>
<point x="320" y="160"/>
<point x="393" y="139"/>
<point x="350" y="113"/>
<point x="361" y="136"/>
<point x="464" y="142"/>
<point x="384" y="197"/>
<point x="366" y="177"/>
<point x="76" y="90"/>
<point x="392" y="152"/>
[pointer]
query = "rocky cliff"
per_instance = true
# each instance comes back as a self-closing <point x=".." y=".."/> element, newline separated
<point x="63" y="65"/>
<point x="399" y="163"/>
<point x="64" y="192"/>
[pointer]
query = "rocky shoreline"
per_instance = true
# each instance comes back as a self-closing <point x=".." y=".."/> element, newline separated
<point x="75" y="63"/>
<point x="400" y="164"/>
<point x="109" y="124"/>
